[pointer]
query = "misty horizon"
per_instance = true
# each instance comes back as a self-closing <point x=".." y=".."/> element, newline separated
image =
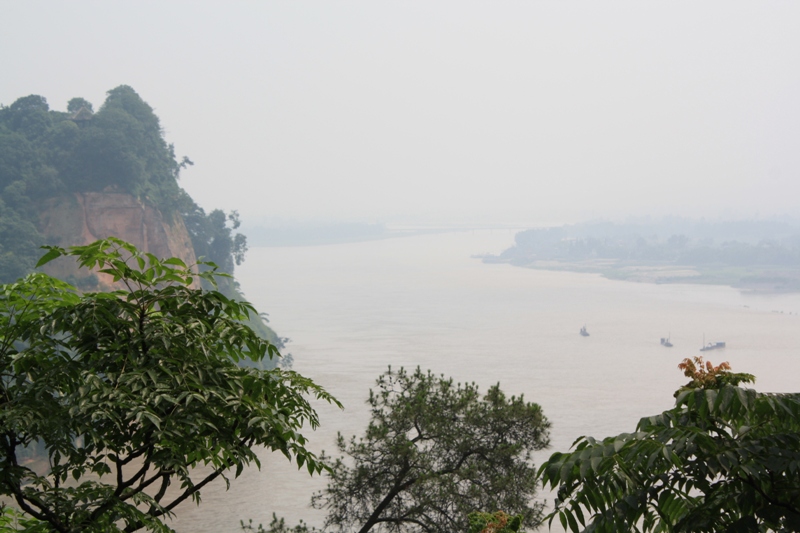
<point x="444" y="113"/>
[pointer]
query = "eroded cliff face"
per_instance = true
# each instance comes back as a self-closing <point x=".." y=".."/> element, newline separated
<point x="82" y="218"/>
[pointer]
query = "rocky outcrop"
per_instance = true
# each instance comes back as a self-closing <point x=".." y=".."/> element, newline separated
<point x="82" y="218"/>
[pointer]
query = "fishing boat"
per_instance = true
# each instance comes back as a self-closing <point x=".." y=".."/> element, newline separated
<point x="712" y="346"/>
<point x="584" y="333"/>
<point x="665" y="342"/>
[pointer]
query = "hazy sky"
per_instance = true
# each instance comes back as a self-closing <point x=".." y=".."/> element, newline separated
<point x="469" y="112"/>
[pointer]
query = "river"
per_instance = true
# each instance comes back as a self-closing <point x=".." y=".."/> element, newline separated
<point x="351" y="310"/>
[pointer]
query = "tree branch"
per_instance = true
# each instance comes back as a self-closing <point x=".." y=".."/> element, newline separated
<point x="44" y="514"/>
<point x="398" y="487"/>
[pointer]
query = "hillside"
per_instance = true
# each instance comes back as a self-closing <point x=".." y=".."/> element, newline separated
<point x="75" y="219"/>
<point x="70" y="177"/>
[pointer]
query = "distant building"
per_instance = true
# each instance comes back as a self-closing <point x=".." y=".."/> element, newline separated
<point x="81" y="115"/>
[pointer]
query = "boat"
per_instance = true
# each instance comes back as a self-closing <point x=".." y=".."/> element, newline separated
<point x="584" y="333"/>
<point x="665" y="342"/>
<point x="712" y="346"/>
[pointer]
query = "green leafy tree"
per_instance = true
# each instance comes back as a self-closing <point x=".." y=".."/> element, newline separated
<point x="134" y="391"/>
<point x="19" y="244"/>
<point x="724" y="459"/>
<point x="29" y="116"/>
<point x="213" y="236"/>
<point x="433" y="452"/>
<point x="75" y="105"/>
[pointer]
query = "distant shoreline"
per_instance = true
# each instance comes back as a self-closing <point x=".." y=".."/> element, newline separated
<point x="757" y="279"/>
<point x="750" y="255"/>
<point x="762" y="279"/>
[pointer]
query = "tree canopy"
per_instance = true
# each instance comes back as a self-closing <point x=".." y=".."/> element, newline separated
<point x="724" y="459"/>
<point x="131" y="392"/>
<point x="121" y="146"/>
<point x="433" y="452"/>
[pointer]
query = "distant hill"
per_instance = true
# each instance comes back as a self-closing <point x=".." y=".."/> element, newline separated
<point x="759" y="255"/>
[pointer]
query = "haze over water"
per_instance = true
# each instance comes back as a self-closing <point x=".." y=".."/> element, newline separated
<point x="353" y="309"/>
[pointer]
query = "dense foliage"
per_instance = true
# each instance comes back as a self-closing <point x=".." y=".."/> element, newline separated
<point x="724" y="459"/>
<point x="133" y="392"/>
<point x="120" y="148"/>
<point x="433" y="452"/>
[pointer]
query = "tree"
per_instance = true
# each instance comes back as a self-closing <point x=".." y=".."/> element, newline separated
<point x="131" y="392"/>
<point x="213" y="239"/>
<point x="724" y="459"/>
<point x="19" y="244"/>
<point x="434" y="452"/>
<point x="29" y="115"/>
<point x="77" y="103"/>
<point x="123" y="146"/>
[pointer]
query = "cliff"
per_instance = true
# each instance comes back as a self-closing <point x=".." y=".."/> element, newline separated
<point x="78" y="219"/>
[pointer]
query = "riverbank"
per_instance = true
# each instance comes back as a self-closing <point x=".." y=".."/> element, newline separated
<point x="750" y="255"/>
<point x="761" y="279"/>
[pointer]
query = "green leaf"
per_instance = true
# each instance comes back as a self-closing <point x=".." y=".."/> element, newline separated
<point x="562" y="516"/>
<point x="573" y="525"/>
<point x="174" y="261"/>
<point x="52" y="253"/>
